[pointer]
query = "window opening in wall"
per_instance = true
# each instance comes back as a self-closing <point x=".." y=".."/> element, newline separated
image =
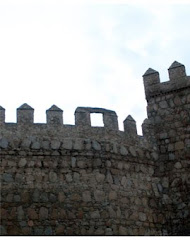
<point x="96" y="120"/>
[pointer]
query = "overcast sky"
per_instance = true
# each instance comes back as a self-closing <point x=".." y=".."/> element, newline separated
<point x="55" y="52"/>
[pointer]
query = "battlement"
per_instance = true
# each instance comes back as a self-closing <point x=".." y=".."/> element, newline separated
<point x="54" y="119"/>
<point x="178" y="80"/>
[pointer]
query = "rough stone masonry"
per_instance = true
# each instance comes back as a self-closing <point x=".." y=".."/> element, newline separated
<point x="61" y="179"/>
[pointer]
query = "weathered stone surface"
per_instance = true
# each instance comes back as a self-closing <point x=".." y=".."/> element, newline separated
<point x="96" y="146"/>
<point x="67" y="144"/>
<point x="112" y="213"/>
<point x="178" y="165"/>
<point x="81" y="164"/>
<point x="36" y="195"/>
<point x="45" y="144"/>
<point x="132" y="151"/>
<point x="52" y="197"/>
<point x="86" y="196"/>
<point x="108" y="163"/>
<point x="4" y="143"/>
<point x="48" y="231"/>
<point x="142" y="216"/>
<point x="73" y="162"/>
<point x="7" y="177"/>
<point x="60" y="230"/>
<point x="109" y="178"/>
<point x="22" y="162"/>
<point x="179" y="145"/>
<point x="76" y="176"/>
<point x="95" y="214"/>
<point x="20" y="213"/>
<point x="32" y="214"/>
<point x="88" y="144"/>
<point x="44" y="197"/>
<point x="69" y="177"/>
<point x="61" y="197"/>
<point x="99" y="195"/>
<point x="108" y="232"/>
<point x="30" y="223"/>
<point x="78" y="144"/>
<point x="26" y="143"/>
<point x="3" y="230"/>
<point x="97" y="162"/>
<point x="38" y="231"/>
<point x="36" y="145"/>
<point x="100" y="177"/>
<point x="163" y="104"/>
<point x="123" y="150"/>
<point x="52" y="177"/>
<point x="122" y="231"/>
<point x="43" y="213"/>
<point x="55" y="144"/>
<point x="112" y="195"/>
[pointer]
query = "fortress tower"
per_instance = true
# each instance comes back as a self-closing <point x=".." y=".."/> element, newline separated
<point x="169" y="115"/>
<point x="59" y="179"/>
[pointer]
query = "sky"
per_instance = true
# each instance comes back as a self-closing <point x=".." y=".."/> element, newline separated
<point x="87" y="53"/>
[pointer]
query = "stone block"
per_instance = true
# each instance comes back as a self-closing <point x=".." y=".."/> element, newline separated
<point x="123" y="151"/>
<point x="45" y="144"/>
<point x="48" y="231"/>
<point x="178" y="165"/>
<point x="95" y="214"/>
<point x="96" y="146"/>
<point x="22" y="162"/>
<point x="108" y="232"/>
<point x="30" y="223"/>
<point x="112" y="195"/>
<point x="7" y="177"/>
<point x="44" y="197"/>
<point x="61" y="197"/>
<point x="60" y="230"/>
<point x="122" y="231"/>
<point x="36" y="145"/>
<point x="3" y="230"/>
<point x="132" y="151"/>
<point x="69" y="177"/>
<point x="111" y="211"/>
<point x="38" y="231"/>
<point x="179" y="145"/>
<point x="109" y="177"/>
<point x="97" y="162"/>
<point x="67" y="144"/>
<point x="55" y="144"/>
<point x="52" y="177"/>
<point x="26" y="143"/>
<point x="4" y="143"/>
<point x="76" y="176"/>
<point x="163" y="104"/>
<point x="20" y="213"/>
<point x="99" y="177"/>
<point x="32" y="214"/>
<point x="88" y="144"/>
<point x="78" y="144"/>
<point x="86" y="196"/>
<point x="43" y="213"/>
<point x="73" y="162"/>
<point x="81" y="164"/>
<point x="142" y="216"/>
<point x="99" y="195"/>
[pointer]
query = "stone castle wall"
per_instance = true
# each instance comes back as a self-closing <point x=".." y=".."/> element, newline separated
<point x="61" y="179"/>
